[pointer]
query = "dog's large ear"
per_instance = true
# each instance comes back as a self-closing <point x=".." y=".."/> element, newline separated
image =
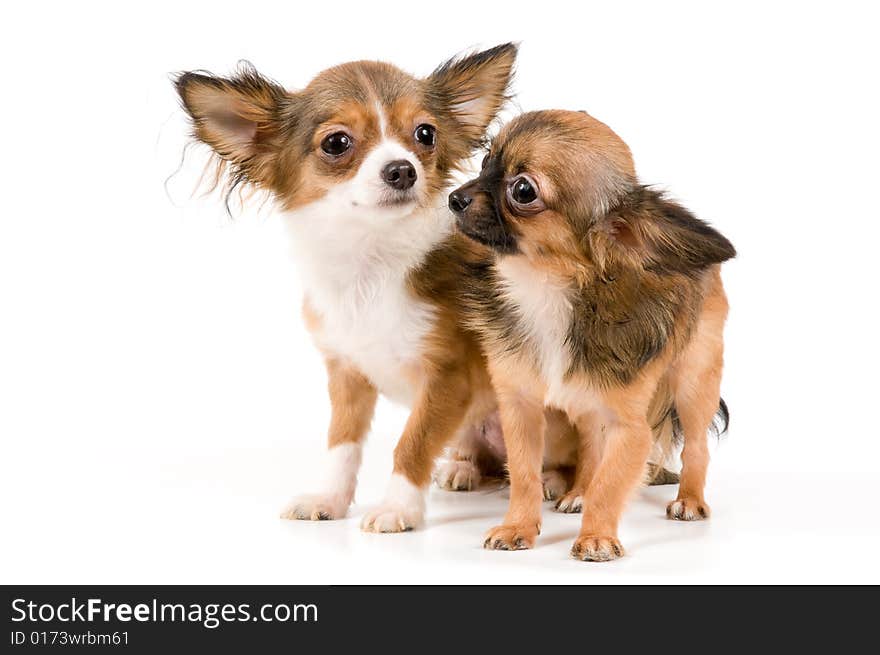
<point x="666" y="237"/>
<point x="471" y="90"/>
<point x="238" y="116"/>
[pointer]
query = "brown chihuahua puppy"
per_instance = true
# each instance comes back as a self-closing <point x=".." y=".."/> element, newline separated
<point x="604" y="300"/>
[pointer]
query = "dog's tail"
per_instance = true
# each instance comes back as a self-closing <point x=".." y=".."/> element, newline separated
<point x="669" y="435"/>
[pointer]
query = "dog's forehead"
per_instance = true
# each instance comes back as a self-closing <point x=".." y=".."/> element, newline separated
<point x="363" y="82"/>
<point x="535" y="141"/>
<point x="366" y="96"/>
<point x="567" y="148"/>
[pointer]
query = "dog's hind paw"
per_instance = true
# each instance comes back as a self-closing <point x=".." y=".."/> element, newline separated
<point x="554" y="483"/>
<point x="570" y="503"/>
<point x="457" y="475"/>
<point x="657" y="475"/>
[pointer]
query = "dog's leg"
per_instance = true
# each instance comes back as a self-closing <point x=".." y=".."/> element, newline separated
<point x="352" y="401"/>
<point x="438" y="412"/>
<point x="696" y="400"/>
<point x="523" y="423"/>
<point x="696" y="386"/>
<point x="560" y="454"/>
<point x="556" y="481"/>
<point x="627" y="446"/>
<point x="590" y="438"/>
<point x="690" y="505"/>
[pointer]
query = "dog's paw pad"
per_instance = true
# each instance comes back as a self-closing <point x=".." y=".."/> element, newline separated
<point x="687" y="509"/>
<point x="570" y="503"/>
<point x="391" y="518"/>
<point x="596" y="548"/>
<point x="511" y="537"/>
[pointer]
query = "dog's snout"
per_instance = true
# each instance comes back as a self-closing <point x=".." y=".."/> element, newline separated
<point x="459" y="201"/>
<point x="399" y="174"/>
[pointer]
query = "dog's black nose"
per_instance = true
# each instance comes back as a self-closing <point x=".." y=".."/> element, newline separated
<point x="399" y="174"/>
<point x="459" y="201"/>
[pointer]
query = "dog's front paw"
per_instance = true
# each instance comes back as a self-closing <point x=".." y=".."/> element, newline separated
<point x="554" y="484"/>
<point x="403" y="508"/>
<point x="570" y="503"/>
<point x="457" y="475"/>
<point x="316" y="507"/>
<point x="511" y="537"/>
<point x="392" y="518"/>
<point x="687" y="509"/>
<point x="596" y="548"/>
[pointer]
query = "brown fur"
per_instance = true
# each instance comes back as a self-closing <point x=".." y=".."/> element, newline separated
<point x="640" y="279"/>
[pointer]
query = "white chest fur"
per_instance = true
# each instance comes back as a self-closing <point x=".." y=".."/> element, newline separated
<point x="544" y="307"/>
<point x="354" y="271"/>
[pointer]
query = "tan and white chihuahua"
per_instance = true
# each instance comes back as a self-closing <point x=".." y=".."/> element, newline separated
<point x="358" y="162"/>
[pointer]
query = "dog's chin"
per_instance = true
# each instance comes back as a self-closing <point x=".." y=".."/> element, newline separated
<point x="400" y="201"/>
<point x="397" y="203"/>
<point x="503" y="244"/>
<point x="391" y="206"/>
<point x="471" y="234"/>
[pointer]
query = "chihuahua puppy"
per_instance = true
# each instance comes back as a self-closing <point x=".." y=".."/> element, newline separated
<point x="358" y="161"/>
<point x="604" y="299"/>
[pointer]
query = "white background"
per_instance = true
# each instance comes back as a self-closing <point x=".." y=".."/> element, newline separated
<point x="160" y="400"/>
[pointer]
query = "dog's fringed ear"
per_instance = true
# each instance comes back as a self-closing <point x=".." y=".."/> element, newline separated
<point x="666" y="237"/>
<point x="472" y="89"/>
<point x="238" y="116"/>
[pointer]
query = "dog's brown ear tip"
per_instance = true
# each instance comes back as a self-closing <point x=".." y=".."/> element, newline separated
<point x="509" y="50"/>
<point x="511" y="47"/>
<point x="731" y="250"/>
<point x="183" y="81"/>
<point x="498" y="53"/>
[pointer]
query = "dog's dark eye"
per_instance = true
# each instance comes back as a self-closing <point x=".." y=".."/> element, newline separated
<point x="523" y="191"/>
<point x="426" y="135"/>
<point x="336" y="144"/>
